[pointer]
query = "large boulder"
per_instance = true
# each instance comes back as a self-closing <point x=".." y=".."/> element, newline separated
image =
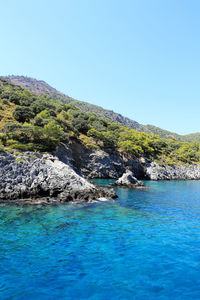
<point x="44" y="178"/>
<point x="128" y="180"/>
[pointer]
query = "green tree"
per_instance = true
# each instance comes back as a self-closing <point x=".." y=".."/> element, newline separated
<point x="23" y="114"/>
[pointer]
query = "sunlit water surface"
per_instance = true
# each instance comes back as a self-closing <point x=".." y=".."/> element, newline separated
<point x="144" y="245"/>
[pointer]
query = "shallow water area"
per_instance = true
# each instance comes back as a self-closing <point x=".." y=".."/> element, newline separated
<point x="143" y="245"/>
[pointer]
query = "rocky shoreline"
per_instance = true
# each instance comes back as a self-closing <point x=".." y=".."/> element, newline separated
<point x="154" y="171"/>
<point x="35" y="178"/>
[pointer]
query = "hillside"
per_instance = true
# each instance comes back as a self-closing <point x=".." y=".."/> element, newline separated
<point x="164" y="133"/>
<point x="193" y="137"/>
<point x="39" y="123"/>
<point x="41" y="87"/>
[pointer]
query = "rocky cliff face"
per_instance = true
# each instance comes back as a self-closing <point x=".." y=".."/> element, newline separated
<point x="43" y="178"/>
<point x="92" y="163"/>
<point x="96" y="163"/>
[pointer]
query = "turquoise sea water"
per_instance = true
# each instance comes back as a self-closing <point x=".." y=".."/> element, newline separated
<point x="145" y="245"/>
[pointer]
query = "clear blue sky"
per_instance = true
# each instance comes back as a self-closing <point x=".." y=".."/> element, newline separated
<point x="139" y="58"/>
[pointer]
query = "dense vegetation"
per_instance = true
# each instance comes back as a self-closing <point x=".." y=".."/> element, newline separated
<point x="37" y="122"/>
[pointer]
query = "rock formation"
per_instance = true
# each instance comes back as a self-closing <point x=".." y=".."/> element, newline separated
<point x="128" y="180"/>
<point x="45" y="178"/>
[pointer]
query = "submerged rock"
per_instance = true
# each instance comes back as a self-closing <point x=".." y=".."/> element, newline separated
<point x="128" y="180"/>
<point x="36" y="176"/>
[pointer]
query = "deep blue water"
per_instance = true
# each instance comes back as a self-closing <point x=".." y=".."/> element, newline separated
<point x="145" y="245"/>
